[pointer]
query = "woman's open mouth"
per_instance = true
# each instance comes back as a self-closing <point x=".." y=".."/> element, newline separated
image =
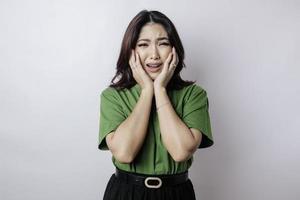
<point x="153" y="67"/>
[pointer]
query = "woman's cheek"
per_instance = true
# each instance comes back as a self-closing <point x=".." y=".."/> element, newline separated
<point x="142" y="59"/>
<point x="165" y="58"/>
<point x="165" y="55"/>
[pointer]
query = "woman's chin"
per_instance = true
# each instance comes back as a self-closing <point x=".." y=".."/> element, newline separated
<point x="153" y="75"/>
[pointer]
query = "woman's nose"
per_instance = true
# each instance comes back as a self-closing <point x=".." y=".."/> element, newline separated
<point x="154" y="53"/>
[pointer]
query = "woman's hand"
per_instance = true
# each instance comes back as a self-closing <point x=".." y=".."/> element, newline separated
<point x="139" y="74"/>
<point x="167" y="72"/>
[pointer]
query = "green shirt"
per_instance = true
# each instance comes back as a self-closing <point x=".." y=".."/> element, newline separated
<point x="190" y="104"/>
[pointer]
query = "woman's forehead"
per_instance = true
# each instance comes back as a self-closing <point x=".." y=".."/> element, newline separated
<point x="153" y="31"/>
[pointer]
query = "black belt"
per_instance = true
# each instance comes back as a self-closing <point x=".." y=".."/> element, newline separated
<point x="152" y="181"/>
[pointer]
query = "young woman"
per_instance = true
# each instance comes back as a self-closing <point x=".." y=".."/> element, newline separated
<point x="151" y="120"/>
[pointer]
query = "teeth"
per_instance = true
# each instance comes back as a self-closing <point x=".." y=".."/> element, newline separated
<point x="153" y="65"/>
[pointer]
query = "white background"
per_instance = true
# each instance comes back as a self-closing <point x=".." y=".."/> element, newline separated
<point x="56" y="57"/>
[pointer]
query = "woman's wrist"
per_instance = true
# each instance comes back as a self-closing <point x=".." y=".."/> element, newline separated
<point x="159" y="89"/>
<point x="158" y="107"/>
<point x="147" y="91"/>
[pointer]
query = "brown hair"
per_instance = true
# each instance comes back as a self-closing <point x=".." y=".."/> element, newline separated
<point x="124" y="73"/>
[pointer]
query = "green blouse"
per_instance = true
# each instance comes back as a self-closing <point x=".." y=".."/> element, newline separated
<point x="191" y="105"/>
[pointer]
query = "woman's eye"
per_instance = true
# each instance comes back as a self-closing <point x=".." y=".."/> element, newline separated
<point x="140" y="45"/>
<point x="165" y="43"/>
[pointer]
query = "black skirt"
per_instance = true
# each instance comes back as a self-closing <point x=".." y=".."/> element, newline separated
<point x="118" y="189"/>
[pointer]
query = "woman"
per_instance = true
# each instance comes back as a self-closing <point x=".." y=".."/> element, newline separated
<point x="151" y="120"/>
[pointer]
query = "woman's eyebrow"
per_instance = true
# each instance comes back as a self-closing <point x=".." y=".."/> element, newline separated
<point x="147" y="40"/>
<point x="160" y="38"/>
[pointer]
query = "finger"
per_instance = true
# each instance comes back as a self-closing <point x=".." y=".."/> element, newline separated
<point x="133" y="55"/>
<point x="138" y="60"/>
<point x="139" y="64"/>
<point x="174" y="60"/>
<point x="172" y="67"/>
<point x="169" y="59"/>
<point x="177" y="58"/>
<point x="131" y="64"/>
<point x="133" y="68"/>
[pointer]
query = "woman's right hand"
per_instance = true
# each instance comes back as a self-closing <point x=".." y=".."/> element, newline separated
<point x="139" y="74"/>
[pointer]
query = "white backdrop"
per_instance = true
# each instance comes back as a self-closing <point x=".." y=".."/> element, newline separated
<point x="57" y="56"/>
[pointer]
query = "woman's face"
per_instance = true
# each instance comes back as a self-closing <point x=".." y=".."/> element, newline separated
<point x="153" y="47"/>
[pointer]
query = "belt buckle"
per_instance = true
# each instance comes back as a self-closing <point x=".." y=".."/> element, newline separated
<point x="153" y="178"/>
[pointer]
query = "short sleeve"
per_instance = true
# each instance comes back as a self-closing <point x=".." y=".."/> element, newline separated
<point x="111" y="115"/>
<point x="196" y="114"/>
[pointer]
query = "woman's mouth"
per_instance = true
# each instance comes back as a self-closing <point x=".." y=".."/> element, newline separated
<point x="153" y="67"/>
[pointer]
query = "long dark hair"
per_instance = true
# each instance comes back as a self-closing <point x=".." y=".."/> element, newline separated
<point x="124" y="73"/>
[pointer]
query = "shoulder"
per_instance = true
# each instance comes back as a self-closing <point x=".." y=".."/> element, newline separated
<point x="120" y="95"/>
<point x="192" y="90"/>
<point x="194" y="95"/>
<point x="114" y="91"/>
<point x="109" y="93"/>
<point x="108" y="90"/>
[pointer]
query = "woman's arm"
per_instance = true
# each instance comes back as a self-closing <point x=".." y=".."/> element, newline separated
<point x="180" y="141"/>
<point x="126" y="141"/>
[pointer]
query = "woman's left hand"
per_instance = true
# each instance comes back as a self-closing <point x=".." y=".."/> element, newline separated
<point x="167" y="72"/>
